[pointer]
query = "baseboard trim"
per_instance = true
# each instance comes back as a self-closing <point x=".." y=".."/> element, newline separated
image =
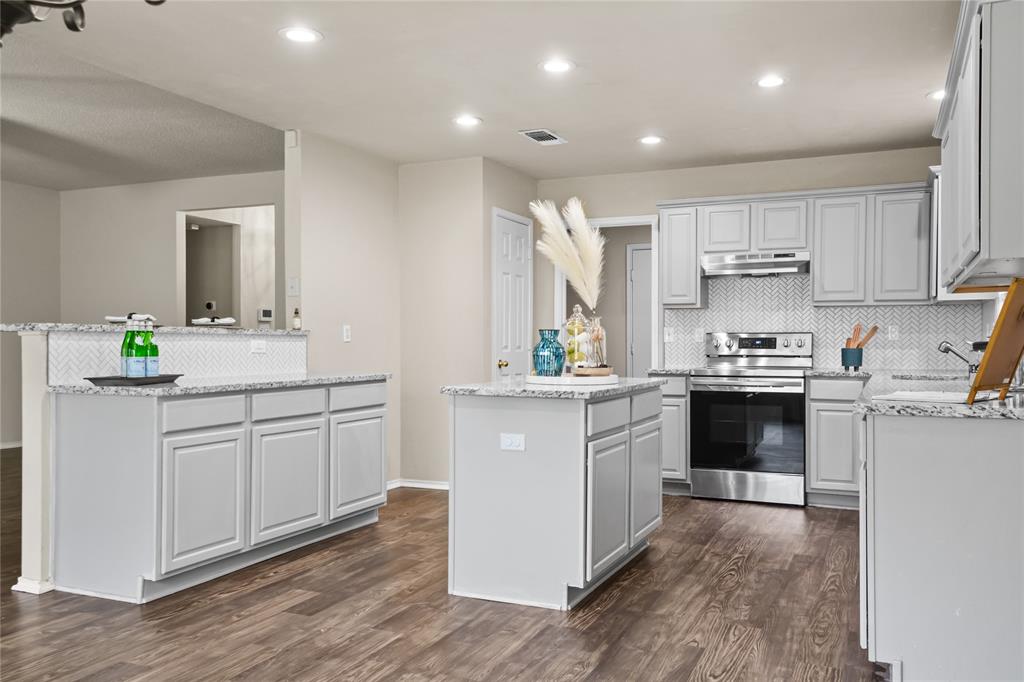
<point x="29" y="586"/>
<point x="417" y="483"/>
<point x="10" y="445"/>
<point x="833" y="500"/>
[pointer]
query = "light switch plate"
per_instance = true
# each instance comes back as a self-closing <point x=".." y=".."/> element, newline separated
<point x="346" y="333"/>
<point x="258" y="346"/>
<point x="515" y="442"/>
<point x="669" y="334"/>
<point x="294" y="288"/>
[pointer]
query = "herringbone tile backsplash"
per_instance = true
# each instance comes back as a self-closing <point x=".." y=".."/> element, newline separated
<point x="783" y="304"/>
<point x="74" y="355"/>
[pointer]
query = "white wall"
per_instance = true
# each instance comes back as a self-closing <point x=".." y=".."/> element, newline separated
<point x="29" y="283"/>
<point x="349" y="264"/>
<point x="120" y="247"/>
<point x="606" y="196"/>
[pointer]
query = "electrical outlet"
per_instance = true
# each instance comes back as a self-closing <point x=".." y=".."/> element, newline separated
<point x="258" y="346"/>
<point x="698" y="334"/>
<point x="670" y="334"/>
<point x="515" y="442"/>
<point x="893" y="332"/>
<point x="346" y="333"/>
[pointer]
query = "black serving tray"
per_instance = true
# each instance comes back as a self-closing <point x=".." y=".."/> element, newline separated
<point x="133" y="381"/>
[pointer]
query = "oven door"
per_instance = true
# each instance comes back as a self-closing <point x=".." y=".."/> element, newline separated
<point x="747" y="424"/>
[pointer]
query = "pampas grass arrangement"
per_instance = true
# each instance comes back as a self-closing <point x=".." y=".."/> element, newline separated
<point x="576" y="249"/>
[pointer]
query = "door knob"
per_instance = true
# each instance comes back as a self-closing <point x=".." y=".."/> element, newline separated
<point x="502" y="364"/>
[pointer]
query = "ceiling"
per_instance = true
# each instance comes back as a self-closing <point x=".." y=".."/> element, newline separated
<point x="68" y="125"/>
<point x="389" y="77"/>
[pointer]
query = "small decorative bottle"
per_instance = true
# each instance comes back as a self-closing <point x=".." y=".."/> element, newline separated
<point x="296" y="320"/>
<point x="577" y="338"/>
<point x="152" y="353"/>
<point x="548" y="354"/>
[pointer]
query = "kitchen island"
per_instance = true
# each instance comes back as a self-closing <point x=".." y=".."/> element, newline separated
<point x="553" y="489"/>
<point x="158" y="488"/>
<point x="942" y="535"/>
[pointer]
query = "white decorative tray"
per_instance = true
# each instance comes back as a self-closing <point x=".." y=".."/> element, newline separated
<point x="569" y="380"/>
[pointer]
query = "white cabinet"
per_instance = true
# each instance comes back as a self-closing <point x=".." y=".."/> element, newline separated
<point x="840" y="249"/>
<point x="288" y="478"/>
<point x="203" y="495"/>
<point x="357" y="462"/>
<point x="779" y="225"/>
<point x="644" y="480"/>
<point x="833" y="461"/>
<point x="901" y="247"/>
<point x="674" y="462"/>
<point x="725" y="228"/>
<point x="608" y="532"/>
<point x="681" y="283"/>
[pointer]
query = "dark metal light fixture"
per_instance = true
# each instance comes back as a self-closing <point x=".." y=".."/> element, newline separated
<point x="14" y="12"/>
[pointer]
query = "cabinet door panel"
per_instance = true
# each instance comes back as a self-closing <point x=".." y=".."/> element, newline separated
<point x="203" y="497"/>
<point x="780" y="225"/>
<point x="644" y="480"/>
<point x="725" y="228"/>
<point x="949" y="199"/>
<point x="288" y="485"/>
<point x="901" y="247"/>
<point x="968" y="231"/>
<point x="833" y="458"/>
<point x="674" y="413"/>
<point x="357" y="462"/>
<point x="680" y="270"/>
<point x="840" y="249"/>
<point x="607" y="502"/>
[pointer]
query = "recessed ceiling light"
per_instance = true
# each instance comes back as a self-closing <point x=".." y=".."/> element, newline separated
<point x="468" y="120"/>
<point x="557" y="65"/>
<point x="937" y="95"/>
<point x="301" y="34"/>
<point x="771" y="80"/>
<point x="651" y="140"/>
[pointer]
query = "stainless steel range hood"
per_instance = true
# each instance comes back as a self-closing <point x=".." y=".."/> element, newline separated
<point x="755" y="264"/>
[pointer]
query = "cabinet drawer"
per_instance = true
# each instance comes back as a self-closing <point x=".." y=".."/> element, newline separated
<point x="835" y="389"/>
<point x="607" y="415"/>
<point x="359" y="395"/>
<point x="675" y="386"/>
<point x="645" y="406"/>
<point x="199" y="413"/>
<point x="287" y="404"/>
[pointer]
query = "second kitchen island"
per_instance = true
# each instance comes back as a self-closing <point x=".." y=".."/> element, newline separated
<point x="553" y="488"/>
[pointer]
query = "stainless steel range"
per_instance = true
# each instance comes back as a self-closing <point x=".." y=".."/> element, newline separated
<point x="747" y="417"/>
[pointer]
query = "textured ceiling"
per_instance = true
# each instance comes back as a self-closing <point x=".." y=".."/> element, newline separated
<point x="389" y="76"/>
<point x="67" y="125"/>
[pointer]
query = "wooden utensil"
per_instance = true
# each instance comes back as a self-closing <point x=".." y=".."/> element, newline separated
<point x="849" y="342"/>
<point x="868" y="336"/>
<point x="857" y="328"/>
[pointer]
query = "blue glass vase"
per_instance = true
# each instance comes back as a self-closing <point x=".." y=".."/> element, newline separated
<point x="548" y="354"/>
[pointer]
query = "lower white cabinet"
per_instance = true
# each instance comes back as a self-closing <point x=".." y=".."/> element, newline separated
<point x="203" y="494"/>
<point x="833" y="461"/>
<point x="288" y="478"/>
<point x="644" y="480"/>
<point x="357" y="462"/>
<point x="674" y="461"/>
<point x="608" y="533"/>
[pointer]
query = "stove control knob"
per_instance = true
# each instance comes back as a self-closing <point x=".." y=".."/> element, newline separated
<point x="716" y="343"/>
<point x="728" y="343"/>
<point x="799" y="343"/>
<point x="785" y="344"/>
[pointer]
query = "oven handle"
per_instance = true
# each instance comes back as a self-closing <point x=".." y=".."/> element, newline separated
<point x="745" y="386"/>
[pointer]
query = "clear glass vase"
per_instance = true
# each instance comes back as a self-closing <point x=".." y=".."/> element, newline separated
<point x="596" y="356"/>
<point x="577" y="338"/>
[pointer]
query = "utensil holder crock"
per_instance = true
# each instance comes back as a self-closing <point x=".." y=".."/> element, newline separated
<point x="853" y="358"/>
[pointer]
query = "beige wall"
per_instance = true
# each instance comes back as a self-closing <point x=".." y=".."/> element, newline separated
<point x="606" y="196"/>
<point x="120" y="245"/>
<point x="29" y="283"/>
<point x="349" y="265"/>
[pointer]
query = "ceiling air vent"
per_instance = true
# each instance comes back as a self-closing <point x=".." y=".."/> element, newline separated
<point x="543" y="136"/>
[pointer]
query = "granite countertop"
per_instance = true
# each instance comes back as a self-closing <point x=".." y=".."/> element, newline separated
<point x="1011" y="408"/>
<point x="670" y="372"/>
<point x="501" y="390"/>
<point x="838" y="373"/>
<point x="206" y="385"/>
<point x="119" y="328"/>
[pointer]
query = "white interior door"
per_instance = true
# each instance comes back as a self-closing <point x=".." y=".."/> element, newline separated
<point x="512" y="293"/>
<point x="638" y="310"/>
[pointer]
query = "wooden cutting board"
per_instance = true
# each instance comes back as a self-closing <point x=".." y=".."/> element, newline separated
<point x="1005" y="347"/>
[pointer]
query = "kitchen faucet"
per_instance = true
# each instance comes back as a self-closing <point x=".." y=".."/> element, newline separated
<point x="947" y="347"/>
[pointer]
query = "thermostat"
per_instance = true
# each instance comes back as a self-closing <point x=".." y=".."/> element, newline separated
<point x="265" y="315"/>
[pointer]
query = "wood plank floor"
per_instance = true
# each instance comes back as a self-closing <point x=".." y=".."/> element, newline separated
<point x="727" y="591"/>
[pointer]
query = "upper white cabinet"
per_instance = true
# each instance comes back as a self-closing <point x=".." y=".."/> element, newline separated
<point x="681" y="283"/>
<point x="779" y="225"/>
<point x="840" y="249"/>
<point x="725" y="228"/>
<point x="901" y="247"/>
<point x="983" y="149"/>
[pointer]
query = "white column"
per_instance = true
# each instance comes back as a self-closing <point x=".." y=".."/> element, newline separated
<point x="36" y="571"/>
